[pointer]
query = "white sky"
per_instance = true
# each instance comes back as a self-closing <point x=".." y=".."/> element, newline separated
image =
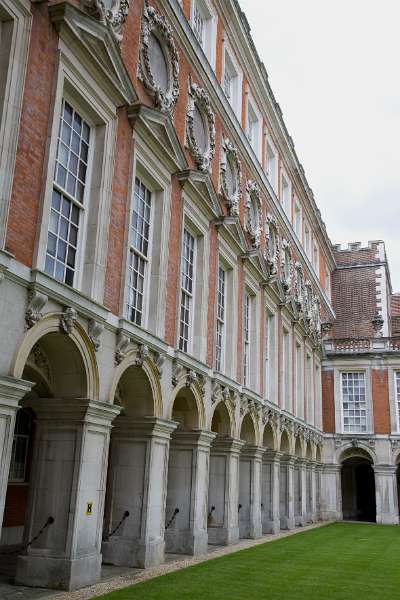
<point x="334" y="69"/>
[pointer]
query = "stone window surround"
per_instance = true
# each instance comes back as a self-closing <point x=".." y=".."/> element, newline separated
<point x="78" y="88"/>
<point x="270" y="388"/>
<point x="269" y="143"/>
<point x="284" y="176"/>
<point x="227" y="50"/>
<point x="299" y="387"/>
<point x="309" y="396"/>
<point x="297" y="210"/>
<point x="211" y="20"/>
<point x="228" y="261"/>
<point x="250" y="102"/>
<point x="286" y="374"/>
<point x="19" y="11"/>
<point x="198" y="225"/>
<point x="318" y="393"/>
<point x="251" y="287"/>
<point x="347" y="367"/>
<point x="149" y="170"/>
<point x="394" y="413"/>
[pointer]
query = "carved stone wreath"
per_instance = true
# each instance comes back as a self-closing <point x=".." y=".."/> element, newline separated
<point x="111" y="13"/>
<point x="272" y="249"/>
<point x="287" y="265"/>
<point x="253" y="212"/>
<point x="154" y="24"/>
<point x="230" y="168"/>
<point x="299" y="283"/>
<point x="199" y="99"/>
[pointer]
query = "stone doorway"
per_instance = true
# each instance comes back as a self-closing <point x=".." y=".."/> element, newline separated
<point x="358" y="489"/>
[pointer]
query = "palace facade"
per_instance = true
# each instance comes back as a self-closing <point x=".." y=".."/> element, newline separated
<point x="185" y="359"/>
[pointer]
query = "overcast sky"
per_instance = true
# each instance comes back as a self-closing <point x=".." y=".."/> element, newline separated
<point x="334" y="69"/>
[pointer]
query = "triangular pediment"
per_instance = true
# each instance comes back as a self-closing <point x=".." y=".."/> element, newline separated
<point x="160" y="135"/>
<point x="199" y="186"/>
<point x="96" y="49"/>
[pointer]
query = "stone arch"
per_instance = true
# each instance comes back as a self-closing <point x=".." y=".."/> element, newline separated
<point x="284" y="443"/>
<point x="298" y="447"/>
<point x="222" y="420"/>
<point x="248" y="430"/>
<point x="187" y="407"/>
<point x="73" y="360"/>
<point x="358" y="488"/>
<point x="309" y="451"/>
<point x="145" y="380"/>
<point x="269" y="437"/>
<point x="355" y="451"/>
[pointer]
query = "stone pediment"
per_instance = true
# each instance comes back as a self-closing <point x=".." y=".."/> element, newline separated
<point x="234" y="229"/>
<point x="96" y="48"/>
<point x="199" y="186"/>
<point x="158" y="131"/>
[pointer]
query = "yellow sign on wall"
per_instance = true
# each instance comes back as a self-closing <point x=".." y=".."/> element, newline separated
<point x="89" y="508"/>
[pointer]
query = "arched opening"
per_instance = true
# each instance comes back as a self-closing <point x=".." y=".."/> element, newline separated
<point x="268" y="479"/>
<point x="128" y="470"/>
<point x="220" y="471"/>
<point x="284" y="480"/>
<point x="358" y="487"/>
<point x="246" y="474"/>
<point x="298" y="482"/>
<point x="181" y="535"/>
<point x="43" y="465"/>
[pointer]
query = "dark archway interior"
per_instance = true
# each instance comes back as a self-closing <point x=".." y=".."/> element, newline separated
<point x="358" y="490"/>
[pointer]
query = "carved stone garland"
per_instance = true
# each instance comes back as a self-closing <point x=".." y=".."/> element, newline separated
<point x="253" y="212"/>
<point x="230" y="157"/>
<point x="299" y="284"/>
<point x="287" y="265"/>
<point x="155" y="24"/>
<point x="111" y="13"/>
<point x="272" y="247"/>
<point x="199" y="98"/>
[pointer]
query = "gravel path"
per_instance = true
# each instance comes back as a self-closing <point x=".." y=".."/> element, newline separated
<point x="128" y="579"/>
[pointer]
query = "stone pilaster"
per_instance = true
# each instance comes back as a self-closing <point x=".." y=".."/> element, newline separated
<point x="303" y="478"/>
<point x="68" y="483"/>
<point x="387" y="512"/>
<point x="270" y="492"/>
<point x="287" y="495"/>
<point x="137" y="485"/>
<point x="223" y="495"/>
<point x="313" y="475"/>
<point x="331" y="500"/>
<point x="188" y="477"/>
<point x="250" y="492"/>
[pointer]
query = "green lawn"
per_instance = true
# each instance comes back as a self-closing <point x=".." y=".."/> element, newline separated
<point x="342" y="561"/>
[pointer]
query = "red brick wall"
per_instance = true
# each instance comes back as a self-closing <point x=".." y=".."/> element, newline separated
<point x="380" y="400"/>
<point x="118" y="215"/>
<point x="35" y="122"/>
<point x="328" y="402"/>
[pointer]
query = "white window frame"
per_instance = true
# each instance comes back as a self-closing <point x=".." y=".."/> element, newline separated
<point x="237" y="80"/>
<point x="327" y="286"/>
<point x="272" y="178"/>
<point x="191" y="295"/>
<point x="19" y="11"/>
<point x="307" y="239"/>
<point x="210" y="18"/>
<point x="357" y="372"/>
<point x="346" y="367"/>
<point x="299" y="377"/>
<point x="271" y="392"/>
<point x="297" y="218"/>
<point x="228" y="260"/>
<point x="140" y="175"/>
<point x="221" y="315"/>
<point x="309" y="384"/>
<point x="78" y="87"/>
<point x="315" y="256"/>
<point x="286" y="202"/>
<point x="251" y="108"/>
<point x="286" y="367"/>
<point x="247" y="325"/>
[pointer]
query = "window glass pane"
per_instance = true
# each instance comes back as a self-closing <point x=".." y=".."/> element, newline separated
<point x="187" y="282"/>
<point x="354" y="406"/>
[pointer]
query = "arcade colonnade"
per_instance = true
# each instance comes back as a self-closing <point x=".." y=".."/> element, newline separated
<point x="162" y="459"/>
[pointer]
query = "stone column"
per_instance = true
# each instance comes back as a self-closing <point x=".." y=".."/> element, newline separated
<point x="331" y="498"/>
<point x="11" y="392"/>
<point x="318" y="471"/>
<point x="287" y="467"/>
<point x="313" y="473"/>
<point x="386" y="495"/>
<point x="137" y="484"/>
<point x="270" y="492"/>
<point x="303" y="471"/>
<point x="223" y="494"/>
<point x="250" y="492"/>
<point x="68" y="483"/>
<point x="188" y="476"/>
